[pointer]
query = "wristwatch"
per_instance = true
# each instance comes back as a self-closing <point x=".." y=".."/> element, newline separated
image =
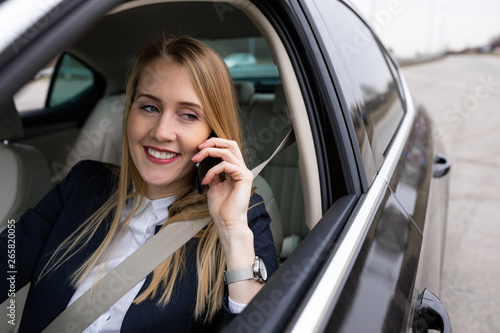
<point x="256" y="271"/>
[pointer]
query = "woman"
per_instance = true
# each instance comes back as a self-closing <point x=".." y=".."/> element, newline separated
<point x="179" y="93"/>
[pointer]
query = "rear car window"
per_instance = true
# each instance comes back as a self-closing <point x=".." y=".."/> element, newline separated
<point x="73" y="78"/>
<point x="60" y="81"/>
<point x="248" y="59"/>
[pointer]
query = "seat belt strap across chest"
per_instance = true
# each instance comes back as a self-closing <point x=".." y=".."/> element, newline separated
<point x="114" y="285"/>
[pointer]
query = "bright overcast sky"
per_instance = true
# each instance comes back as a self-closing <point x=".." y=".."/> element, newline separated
<point x="407" y="27"/>
<point x="429" y="26"/>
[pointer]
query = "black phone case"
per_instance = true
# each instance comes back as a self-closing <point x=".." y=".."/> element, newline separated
<point x="202" y="169"/>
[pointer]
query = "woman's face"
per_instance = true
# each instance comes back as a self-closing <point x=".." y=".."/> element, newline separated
<point x="165" y="125"/>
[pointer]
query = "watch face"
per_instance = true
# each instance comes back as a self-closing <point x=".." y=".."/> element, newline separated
<point x="262" y="270"/>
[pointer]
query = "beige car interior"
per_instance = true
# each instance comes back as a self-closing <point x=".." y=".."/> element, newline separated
<point x="289" y="185"/>
<point x="25" y="175"/>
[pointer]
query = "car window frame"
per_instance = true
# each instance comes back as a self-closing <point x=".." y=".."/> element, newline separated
<point x="370" y="155"/>
<point x="69" y="114"/>
<point x="364" y="158"/>
<point x="378" y="154"/>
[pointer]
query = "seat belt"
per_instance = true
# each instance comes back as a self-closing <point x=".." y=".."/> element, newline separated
<point x="114" y="285"/>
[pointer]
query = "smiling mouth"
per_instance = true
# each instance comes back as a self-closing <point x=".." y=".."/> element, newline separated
<point x="161" y="155"/>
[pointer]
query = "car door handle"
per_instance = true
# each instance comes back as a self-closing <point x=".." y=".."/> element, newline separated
<point x="441" y="166"/>
<point x="431" y="315"/>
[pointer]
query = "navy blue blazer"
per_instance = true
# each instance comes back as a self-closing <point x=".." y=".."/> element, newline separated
<point x="59" y="213"/>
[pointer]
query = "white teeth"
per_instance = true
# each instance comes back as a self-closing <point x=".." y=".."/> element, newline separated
<point x="162" y="156"/>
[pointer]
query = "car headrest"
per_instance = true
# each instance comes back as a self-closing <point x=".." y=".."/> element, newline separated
<point x="11" y="126"/>
<point x="245" y="92"/>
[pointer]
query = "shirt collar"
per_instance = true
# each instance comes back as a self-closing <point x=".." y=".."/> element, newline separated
<point x="149" y="215"/>
<point x="159" y="207"/>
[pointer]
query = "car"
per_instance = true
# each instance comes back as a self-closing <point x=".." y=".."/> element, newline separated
<point x="358" y="202"/>
<point x="240" y="59"/>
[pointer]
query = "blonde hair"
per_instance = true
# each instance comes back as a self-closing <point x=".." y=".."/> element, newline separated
<point x="213" y="85"/>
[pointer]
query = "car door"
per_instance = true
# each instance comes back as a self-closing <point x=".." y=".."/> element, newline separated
<point x="369" y="279"/>
<point x="384" y="282"/>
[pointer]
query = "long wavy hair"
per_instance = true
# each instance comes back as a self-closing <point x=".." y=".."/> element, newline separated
<point x="213" y="85"/>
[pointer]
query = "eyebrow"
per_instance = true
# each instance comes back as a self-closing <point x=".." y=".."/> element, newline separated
<point x="189" y="104"/>
<point x="148" y="96"/>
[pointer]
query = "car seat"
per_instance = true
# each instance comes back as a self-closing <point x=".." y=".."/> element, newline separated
<point x="25" y="176"/>
<point x="24" y="180"/>
<point x="268" y="124"/>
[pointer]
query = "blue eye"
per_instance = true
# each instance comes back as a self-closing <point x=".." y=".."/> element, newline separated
<point x="149" y="108"/>
<point x="189" y="116"/>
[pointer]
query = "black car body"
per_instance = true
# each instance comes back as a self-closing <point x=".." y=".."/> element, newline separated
<point x="364" y="190"/>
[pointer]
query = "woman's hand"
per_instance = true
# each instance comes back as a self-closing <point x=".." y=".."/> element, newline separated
<point x="227" y="200"/>
<point x="228" y="205"/>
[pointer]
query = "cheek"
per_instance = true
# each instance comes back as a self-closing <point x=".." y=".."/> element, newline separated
<point x="190" y="145"/>
<point x="134" y="129"/>
<point x="202" y="134"/>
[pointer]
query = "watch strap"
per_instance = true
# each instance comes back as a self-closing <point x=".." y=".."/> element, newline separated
<point x="245" y="273"/>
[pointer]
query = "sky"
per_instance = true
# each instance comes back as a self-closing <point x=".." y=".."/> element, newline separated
<point x="408" y="27"/>
<point x="411" y="27"/>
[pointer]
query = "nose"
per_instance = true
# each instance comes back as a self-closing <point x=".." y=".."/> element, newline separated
<point x="164" y="129"/>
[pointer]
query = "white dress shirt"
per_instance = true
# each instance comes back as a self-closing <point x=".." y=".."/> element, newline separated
<point x="141" y="227"/>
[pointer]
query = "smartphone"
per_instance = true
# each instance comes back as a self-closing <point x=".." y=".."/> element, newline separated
<point x="202" y="168"/>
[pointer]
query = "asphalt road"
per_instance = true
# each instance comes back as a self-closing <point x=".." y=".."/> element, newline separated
<point x="462" y="95"/>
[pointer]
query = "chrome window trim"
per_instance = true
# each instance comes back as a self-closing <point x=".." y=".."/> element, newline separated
<point x="392" y="157"/>
<point x="318" y="306"/>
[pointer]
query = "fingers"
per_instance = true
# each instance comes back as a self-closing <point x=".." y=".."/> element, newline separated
<point x="223" y="154"/>
<point x="226" y="150"/>
<point x="232" y="163"/>
<point x="236" y="173"/>
<point x="230" y="145"/>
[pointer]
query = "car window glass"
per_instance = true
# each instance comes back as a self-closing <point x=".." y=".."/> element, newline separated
<point x="72" y="79"/>
<point x="369" y="71"/>
<point x="248" y="59"/>
<point x="33" y="95"/>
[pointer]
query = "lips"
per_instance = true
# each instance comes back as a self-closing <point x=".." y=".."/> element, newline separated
<point x="160" y="156"/>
